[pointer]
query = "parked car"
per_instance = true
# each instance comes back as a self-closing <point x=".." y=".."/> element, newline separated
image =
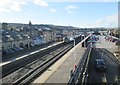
<point x="117" y="42"/>
<point x="11" y="51"/>
<point x="32" y="45"/>
<point x="100" y="65"/>
<point x="110" y="39"/>
<point x="20" y="48"/>
<point x="114" y="40"/>
<point x="7" y="51"/>
<point x="15" y="49"/>
<point x="106" y="38"/>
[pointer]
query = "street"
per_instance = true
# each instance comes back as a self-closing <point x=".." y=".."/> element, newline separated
<point x="111" y="74"/>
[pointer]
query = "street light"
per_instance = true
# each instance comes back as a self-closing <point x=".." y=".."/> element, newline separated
<point x="74" y="54"/>
<point x="74" y="42"/>
<point x="28" y="42"/>
<point x="29" y="27"/>
<point x="45" y="38"/>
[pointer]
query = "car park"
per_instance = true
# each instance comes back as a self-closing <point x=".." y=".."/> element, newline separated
<point x="100" y="65"/>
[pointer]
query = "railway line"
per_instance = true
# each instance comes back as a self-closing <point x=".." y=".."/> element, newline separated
<point x="35" y="65"/>
<point x="30" y="68"/>
<point x="18" y="63"/>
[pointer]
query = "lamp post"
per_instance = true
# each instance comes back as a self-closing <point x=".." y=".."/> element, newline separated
<point x="29" y="37"/>
<point x="28" y="42"/>
<point x="74" y="52"/>
<point x="45" y="39"/>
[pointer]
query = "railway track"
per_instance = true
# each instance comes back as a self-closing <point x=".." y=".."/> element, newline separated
<point x="16" y="64"/>
<point x="25" y="70"/>
<point x="41" y="68"/>
<point x="27" y="73"/>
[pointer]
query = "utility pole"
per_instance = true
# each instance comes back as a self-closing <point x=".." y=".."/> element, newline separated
<point x="29" y="26"/>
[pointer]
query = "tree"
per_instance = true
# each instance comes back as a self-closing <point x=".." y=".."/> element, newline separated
<point x="4" y="25"/>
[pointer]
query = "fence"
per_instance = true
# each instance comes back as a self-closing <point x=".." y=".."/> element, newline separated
<point x="81" y="70"/>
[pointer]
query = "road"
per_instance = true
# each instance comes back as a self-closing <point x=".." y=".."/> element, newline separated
<point x="110" y="76"/>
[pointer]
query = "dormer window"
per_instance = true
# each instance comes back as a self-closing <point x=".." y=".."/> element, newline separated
<point x="19" y="36"/>
<point x="8" y="36"/>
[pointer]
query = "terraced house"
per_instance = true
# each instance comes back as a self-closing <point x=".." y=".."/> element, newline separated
<point x="24" y="37"/>
<point x="11" y="39"/>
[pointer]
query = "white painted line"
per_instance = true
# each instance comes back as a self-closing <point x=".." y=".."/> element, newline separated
<point x="116" y="79"/>
<point x="3" y="63"/>
<point x="104" y="80"/>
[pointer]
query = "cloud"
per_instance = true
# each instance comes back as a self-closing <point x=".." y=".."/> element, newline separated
<point x="111" y="0"/>
<point x="108" y="21"/>
<point x="70" y="7"/>
<point x="53" y="10"/>
<point x="4" y="10"/>
<point x="82" y="0"/>
<point x="11" y="5"/>
<point x="42" y="3"/>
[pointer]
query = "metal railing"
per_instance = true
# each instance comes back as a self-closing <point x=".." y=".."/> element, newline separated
<point x="81" y="70"/>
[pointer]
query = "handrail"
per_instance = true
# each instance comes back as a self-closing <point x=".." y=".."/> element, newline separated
<point x="81" y="65"/>
<point x="114" y="37"/>
<point x="84" y="79"/>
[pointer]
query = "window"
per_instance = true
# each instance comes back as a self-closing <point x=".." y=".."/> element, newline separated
<point x="2" y="48"/>
<point x="14" y="45"/>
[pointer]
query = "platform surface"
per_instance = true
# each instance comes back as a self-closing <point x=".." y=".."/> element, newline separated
<point x="60" y="71"/>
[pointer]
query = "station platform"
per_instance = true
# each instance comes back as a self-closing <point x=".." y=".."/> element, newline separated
<point x="30" y="53"/>
<point x="60" y="71"/>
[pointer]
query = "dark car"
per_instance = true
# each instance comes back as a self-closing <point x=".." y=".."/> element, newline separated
<point x="100" y="65"/>
<point x="15" y="49"/>
<point x="7" y="51"/>
<point x="19" y="48"/>
<point x="117" y="42"/>
<point x="114" y="40"/>
<point x="11" y="51"/>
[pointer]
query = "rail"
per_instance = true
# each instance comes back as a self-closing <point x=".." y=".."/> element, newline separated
<point x="113" y="37"/>
<point x="81" y="69"/>
<point x="30" y="76"/>
<point x="41" y="68"/>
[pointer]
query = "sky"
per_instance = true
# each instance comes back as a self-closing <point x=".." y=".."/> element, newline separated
<point x="77" y="13"/>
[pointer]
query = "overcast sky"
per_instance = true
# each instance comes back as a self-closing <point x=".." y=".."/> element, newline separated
<point x="78" y="13"/>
